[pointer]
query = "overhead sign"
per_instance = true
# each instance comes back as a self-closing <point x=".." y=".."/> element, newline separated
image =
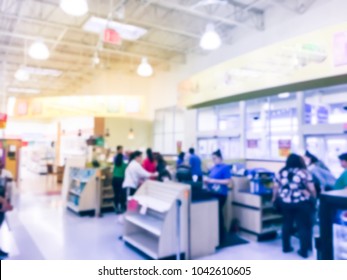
<point x="111" y="36"/>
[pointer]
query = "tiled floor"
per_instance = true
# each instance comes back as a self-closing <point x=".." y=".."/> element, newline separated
<point x="41" y="228"/>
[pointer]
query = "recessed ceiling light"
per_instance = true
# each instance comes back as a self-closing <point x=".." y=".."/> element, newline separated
<point x="283" y="95"/>
<point x="126" y="31"/>
<point x="23" y="90"/>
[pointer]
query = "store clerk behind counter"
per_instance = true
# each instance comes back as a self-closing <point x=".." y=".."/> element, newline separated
<point x="217" y="183"/>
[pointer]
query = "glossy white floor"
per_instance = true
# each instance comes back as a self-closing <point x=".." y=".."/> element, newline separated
<point x="40" y="228"/>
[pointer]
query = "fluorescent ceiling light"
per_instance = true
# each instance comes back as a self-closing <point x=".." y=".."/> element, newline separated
<point x="22" y="75"/>
<point x="210" y="40"/>
<point x="23" y="90"/>
<point x="43" y="71"/>
<point x="126" y="31"/>
<point x="74" y="8"/>
<point x="283" y="95"/>
<point x="39" y="50"/>
<point x="144" y="69"/>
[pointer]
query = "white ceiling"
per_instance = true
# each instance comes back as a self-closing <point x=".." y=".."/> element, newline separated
<point x="174" y="29"/>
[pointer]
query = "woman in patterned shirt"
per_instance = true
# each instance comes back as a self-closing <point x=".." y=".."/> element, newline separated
<point x="295" y="191"/>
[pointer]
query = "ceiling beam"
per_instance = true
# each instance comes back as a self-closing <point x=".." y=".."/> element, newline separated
<point x="88" y="47"/>
<point x="194" y="12"/>
<point x="75" y="29"/>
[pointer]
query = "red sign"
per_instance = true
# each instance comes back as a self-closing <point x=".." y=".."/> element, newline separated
<point x="112" y="36"/>
<point x="3" y="117"/>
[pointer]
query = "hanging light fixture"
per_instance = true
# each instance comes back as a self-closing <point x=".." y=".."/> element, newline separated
<point x="210" y="40"/>
<point x="74" y="8"/>
<point x="96" y="59"/>
<point x="22" y="75"/>
<point x="145" y="69"/>
<point x="131" y="134"/>
<point x="107" y="133"/>
<point x="39" y="50"/>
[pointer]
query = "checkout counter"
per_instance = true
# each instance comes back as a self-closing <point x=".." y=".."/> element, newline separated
<point x="332" y="243"/>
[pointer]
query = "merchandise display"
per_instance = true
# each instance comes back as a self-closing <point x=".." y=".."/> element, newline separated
<point x="254" y="210"/>
<point x="157" y="224"/>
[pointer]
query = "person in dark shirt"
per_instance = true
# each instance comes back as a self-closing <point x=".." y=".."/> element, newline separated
<point x="180" y="159"/>
<point x="163" y="173"/>
<point x="296" y="192"/>
<point x="195" y="165"/>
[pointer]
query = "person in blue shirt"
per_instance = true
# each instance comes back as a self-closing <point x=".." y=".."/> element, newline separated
<point x="217" y="183"/>
<point x="195" y="165"/>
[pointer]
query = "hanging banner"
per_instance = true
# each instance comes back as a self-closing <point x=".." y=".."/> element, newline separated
<point x="284" y="147"/>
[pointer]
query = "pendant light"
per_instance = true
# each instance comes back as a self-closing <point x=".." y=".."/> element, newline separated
<point x="131" y="134"/>
<point x="22" y="75"/>
<point x="96" y="59"/>
<point x="74" y="8"/>
<point x="145" y="69"/>
<point x="210" y="40"/>
<point x="38" y="50"/>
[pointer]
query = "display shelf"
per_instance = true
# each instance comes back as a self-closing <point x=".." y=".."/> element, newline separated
<point x="74" y="192"/>
<point x="72" y="207"/>
<point x="154" y="232"/>
<point x="145" y="242"/>
<point x="254" y="211"/>
<point x="271" y="217"/>
<point x="106" y="190"/>
<point x="109" y="196"/>
<point x="270" y="229"/>
<point x="153" y="203"/>
<point x="81" y="189"/>
<point x="107" y="205"/>
<point x="148" y="223"/>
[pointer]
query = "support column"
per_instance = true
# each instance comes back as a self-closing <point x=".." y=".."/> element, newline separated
<point x="243" y="129"/>
<point x="301" y="117"/>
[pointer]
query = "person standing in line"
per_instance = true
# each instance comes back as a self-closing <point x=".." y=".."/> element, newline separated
<point x="322" y="175"/>
<point x="341" y="182"/>
<point x="180" y="159"/>
<point x="296" y="194"/>
<point x="163" y="173"/>
<point x="149" y="164"/>
<point x="195" y="165"/>
<point x="6" y="179"/>
<point x="217" y="182"/>
<point x="135" y="174"/>
<point x="117" y="182"/>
